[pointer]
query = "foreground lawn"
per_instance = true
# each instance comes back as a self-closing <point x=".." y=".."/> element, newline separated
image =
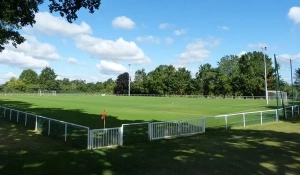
<point x="86" y="110"/>
<point x="272" y="148"/>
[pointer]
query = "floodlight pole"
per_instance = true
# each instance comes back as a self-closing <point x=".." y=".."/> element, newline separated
<point x="129" y="80"/>
<point x="266" y="83"/>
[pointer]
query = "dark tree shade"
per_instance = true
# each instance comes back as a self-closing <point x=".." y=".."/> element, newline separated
<point x="122" y="84"/>
<point x="16" y="14"/>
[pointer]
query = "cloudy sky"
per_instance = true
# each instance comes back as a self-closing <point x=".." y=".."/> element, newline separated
<point x="146" y="34"/>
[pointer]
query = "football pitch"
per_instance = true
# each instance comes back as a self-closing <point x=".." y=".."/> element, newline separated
<point x="87" y="109"/>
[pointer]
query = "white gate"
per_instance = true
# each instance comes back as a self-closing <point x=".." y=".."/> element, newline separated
<point x="162" y="130"/>
<point x="100" y="138"/>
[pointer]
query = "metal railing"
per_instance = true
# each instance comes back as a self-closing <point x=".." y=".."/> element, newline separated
<point x="66" y="131"/>
<point x="99" y="138"/>
<point x="170" y="129"/>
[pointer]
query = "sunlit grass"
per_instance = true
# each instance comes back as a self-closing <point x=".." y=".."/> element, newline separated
<point x="126" y="109"/>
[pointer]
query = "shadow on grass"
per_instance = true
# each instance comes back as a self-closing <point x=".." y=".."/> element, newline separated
<point x="235" y="151"/>
<point x="77" y="137"/>
<point x="77" y="116"/>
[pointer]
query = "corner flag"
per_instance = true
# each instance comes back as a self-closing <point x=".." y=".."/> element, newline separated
<point x="103" y="115"/>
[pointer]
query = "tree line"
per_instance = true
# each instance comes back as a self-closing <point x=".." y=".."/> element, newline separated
<point x="30" y="82"/>
<point x="233" y="75"/>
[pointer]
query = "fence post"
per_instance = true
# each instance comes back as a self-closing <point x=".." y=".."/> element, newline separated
<point x="277" y="118"/>
<point x="261" y="118"/>
<point x="91" y="139"/>
<point x="149" y="131"/>
<point x="292" y="111"/>
<point x="285" y="112"/>
<point x="10" y="114"/>
<point x="203" y="125"/>
<point x="35" y="123"/>
<point x="226" y="121"/>
<point x="49" y="127"/>
<point x="25" y="119"/>
<point x="121" y="135"/>
<point x="179" y="127"/>
<point x="17" y="116"/>
<point x="88" y="139"/>
<point x="66" y="128"/>
<point x="244" y="119"/>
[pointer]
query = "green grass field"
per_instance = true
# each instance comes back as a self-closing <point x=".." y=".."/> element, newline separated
<point x="86" y="110"/>
<point x="270" y="149"/>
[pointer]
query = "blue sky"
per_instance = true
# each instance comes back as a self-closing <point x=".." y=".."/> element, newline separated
<point x="146" y="34"/>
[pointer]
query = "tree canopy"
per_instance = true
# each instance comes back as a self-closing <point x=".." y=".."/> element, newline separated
<point x="16" y="14"/>
<point x="232" y="76"/>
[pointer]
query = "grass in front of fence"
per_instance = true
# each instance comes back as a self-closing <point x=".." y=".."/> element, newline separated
<point x="269" y="149"/>
<point x="86" y="110"/>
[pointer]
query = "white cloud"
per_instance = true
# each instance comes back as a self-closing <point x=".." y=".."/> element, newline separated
<point x="123" y="22"/>
<point x="35" y="49"/>
<point x="258" y="45"/>
<point x="51" y="25"/>
<point x="178" y="66"/>
<point x="294" y="14"/>
<point x="287" y="57"/>
<point x="164" y="25"/>
<point x="197" y="51"/>
<point x="94" y="78"/>
<point x="21" y="60"/>
<point x="180" y="32"/>
<point x="119" y="50"/>
<point x="241" y="53"/>
<point x="224" y="27"/>
<point x="72" y="61"/>
<point x="30" y="54"/>
<point x="149" y="39"/>
<point x="4" y="77"/>
<point x="9" y="75"/>
<point x="110" y="68"/>
<point x="169" y="40"/>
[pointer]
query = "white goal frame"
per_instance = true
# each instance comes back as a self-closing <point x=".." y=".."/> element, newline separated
<point x="282" y="96"/>
<point x="46" y="92"/>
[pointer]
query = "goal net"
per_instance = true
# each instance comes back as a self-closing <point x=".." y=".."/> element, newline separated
<point x="46" y="92"/>
<point x="282" y="96"/>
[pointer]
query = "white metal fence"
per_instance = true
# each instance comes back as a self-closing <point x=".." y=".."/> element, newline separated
<point x="77" y="135"/>
<point x="170" y="129"/>
<point x="100" y="138"/>
<point x="146" y="95"/>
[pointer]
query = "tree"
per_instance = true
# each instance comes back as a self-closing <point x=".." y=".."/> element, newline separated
<point x="14" y="85"/>
<point x="228" y="70"/>
<point x="182" y="81"/>
<point x="139" y="85"/>
<point x="17" y="14"/>
<point x="109" y="85"/>
<point x="47" y="79"/>
<point x="30" y="79"/>
<point x="207" y="79"/>
<point x="122" y="84"/>
<point x="28" y="76"/>
<point x="161" y="80"/>
<point x="252" y="74"/>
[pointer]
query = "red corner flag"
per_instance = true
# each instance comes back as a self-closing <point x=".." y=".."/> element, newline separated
<point x="103" y="115"/>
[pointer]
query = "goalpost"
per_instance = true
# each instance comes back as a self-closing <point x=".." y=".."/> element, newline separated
<point x="46" y="92"/>
<point x="282" y="96"/>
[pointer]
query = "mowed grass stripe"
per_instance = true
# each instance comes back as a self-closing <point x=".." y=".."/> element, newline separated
<point x="86" y="109"/>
